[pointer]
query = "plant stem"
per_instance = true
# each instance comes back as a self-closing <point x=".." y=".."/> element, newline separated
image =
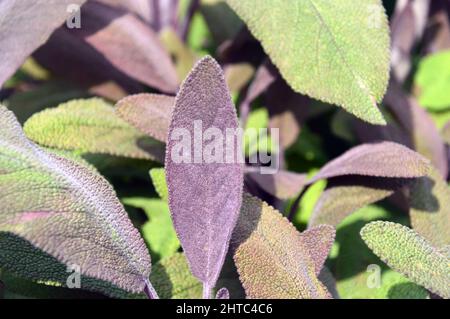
<point x="206" y="291"/>
<point x="149" y="290"/>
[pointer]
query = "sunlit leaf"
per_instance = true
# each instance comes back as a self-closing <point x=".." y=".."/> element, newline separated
<point x="271" y="257"/>
<point x="90" y="126"/>
<point x="318" y="52"/>
<point x="383" y="159"/>
<point x="407" y="252"/>
<point x="150" y="113"/>
<point x="66" y="210"/>
<point x="361" y="274"/>
<point x="319" y="240"/>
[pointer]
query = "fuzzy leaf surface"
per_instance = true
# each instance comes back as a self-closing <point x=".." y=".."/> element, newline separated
<point x="204" y="198"/>
<point x="314" y="45"/>
<point x="319" y="240"/>
<point x="271" y="256"/>
<point x="90" y="126"/>
<point x="410" y="254"/>
<point x="149" y="113"/>
<point x="382" y="159"/>
<point x="66" y="210"/>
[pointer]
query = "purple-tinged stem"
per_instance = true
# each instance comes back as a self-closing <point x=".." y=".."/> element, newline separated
<point x="149" y="290"/>
<point x="206" y="291"/>
<point x="193" y="6"/>
<point x="244" y="111"/>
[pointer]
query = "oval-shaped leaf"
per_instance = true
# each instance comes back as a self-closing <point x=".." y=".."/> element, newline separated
<point x="271" y="257"/>
<point x="321" y="48"/>
<point x="408" y="253"/>
<point x="68" y="211"/>
<point x="90" y="126"/>
<point x="204" y="198"/>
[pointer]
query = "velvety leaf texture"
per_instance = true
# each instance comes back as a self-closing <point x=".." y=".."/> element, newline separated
<point x="17" y="39"/>
<point x="407" y="252"/>
<point x="271" y="257"/>
<point x="149" y="113"/>
<point x="90" y="126"/>
<point x="67" y="211"/>
<point x="383" y="159"/>
<point x="430" y="208"/>
<point x="204" y="198"/>
<point x="46" y="269"/>
<point x="315" y="45"/>
<point x="172" y="279"/>
<point x="319" y="240"/>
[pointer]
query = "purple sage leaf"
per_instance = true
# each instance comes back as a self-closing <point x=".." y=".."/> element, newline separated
<point x="319" y="240"/>
<point x="419" y="126"/>
<point x="124" y="42"/>
<point x="204" y="198"/>
<point x="150" y="113"/>
<point x="383" y="159"/>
